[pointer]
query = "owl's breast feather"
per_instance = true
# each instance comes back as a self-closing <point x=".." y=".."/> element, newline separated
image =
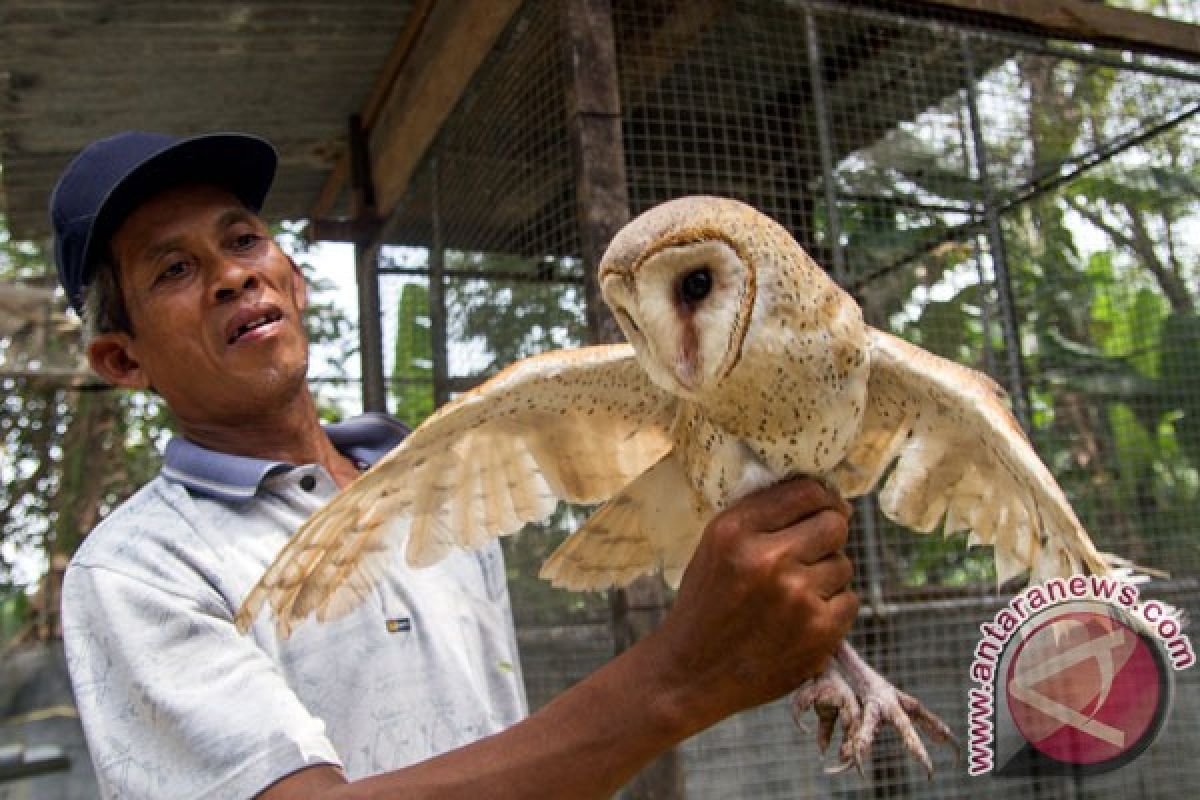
<point x="797" y="409"/>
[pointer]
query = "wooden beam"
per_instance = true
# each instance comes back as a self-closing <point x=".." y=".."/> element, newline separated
<point x="597" y="148"/>
<point x="384" y="82"/>
<point x="396" y="60"/>
<point x="352" y="229"/>
<point x="456" y="38"/>
<point x="366" y="269"/>
<point x="598" y="151"/>
<point x="1083" y="21"/>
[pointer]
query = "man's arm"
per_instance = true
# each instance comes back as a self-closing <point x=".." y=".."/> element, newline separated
<point x="762" y="605"/>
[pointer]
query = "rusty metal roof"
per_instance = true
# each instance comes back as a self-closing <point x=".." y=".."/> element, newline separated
<point x="73" y="71"/>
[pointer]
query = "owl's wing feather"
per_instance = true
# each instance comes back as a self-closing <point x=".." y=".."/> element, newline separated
<point x="962" y="459"/>
<point x="574" y="425"/>
<point x="651" y="524"/>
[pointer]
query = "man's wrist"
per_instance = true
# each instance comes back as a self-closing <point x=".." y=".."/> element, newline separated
<point x="678" y="701"/>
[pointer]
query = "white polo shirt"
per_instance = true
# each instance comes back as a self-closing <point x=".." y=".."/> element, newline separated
<point x="176" y="703"/>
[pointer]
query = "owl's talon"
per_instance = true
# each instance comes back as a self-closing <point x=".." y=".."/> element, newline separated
<point x="831" y="699"/>
<point x="887" y="706"/>
<point x="929" y="722"/>
<point x="842" y="766"/>
<point x="883" y="702"/>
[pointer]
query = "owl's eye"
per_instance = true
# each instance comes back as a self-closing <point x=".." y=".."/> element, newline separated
<point x="696" y="285"/>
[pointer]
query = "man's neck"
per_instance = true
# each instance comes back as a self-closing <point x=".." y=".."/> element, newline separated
<point x="291" y="433"/>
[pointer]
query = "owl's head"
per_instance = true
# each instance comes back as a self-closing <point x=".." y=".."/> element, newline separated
<point x="681" y="281"/>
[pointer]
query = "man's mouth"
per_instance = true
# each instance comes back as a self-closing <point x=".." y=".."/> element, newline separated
<point x="258" y="321"/>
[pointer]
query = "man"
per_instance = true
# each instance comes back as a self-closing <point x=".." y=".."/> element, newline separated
<point x="417" y="693"/>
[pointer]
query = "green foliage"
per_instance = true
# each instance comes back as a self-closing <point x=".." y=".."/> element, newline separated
<point x="1179" y="365"/>
<point x="513" y="320"/>
<point x="1102" y="270"/>
<point x="412" y="375"/>
<point x="19" y="260"/>
<point x="493" y="323"/>
<point x="14" y="613"/>
<point x="329" y="331"/>
<point x="507" y="321"/>
<point x="535" y="601"/>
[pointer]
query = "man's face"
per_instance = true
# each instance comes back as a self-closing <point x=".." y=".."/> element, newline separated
<point x="215" y="308"/>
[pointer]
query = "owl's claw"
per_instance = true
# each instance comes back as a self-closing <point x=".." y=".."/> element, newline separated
<point x="902" y="710"/>
<point x="881" y="701"/>
<point x="831" y="699"/>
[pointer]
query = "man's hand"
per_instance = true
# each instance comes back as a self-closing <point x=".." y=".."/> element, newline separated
<point x="763" y="604"/>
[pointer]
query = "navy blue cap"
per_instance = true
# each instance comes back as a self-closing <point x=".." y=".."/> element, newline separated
<point x="111" y="177"/>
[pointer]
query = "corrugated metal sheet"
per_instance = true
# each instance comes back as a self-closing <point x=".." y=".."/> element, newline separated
<point x="73" y="71"/>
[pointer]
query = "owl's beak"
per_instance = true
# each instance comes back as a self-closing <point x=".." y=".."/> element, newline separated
<point x="686" y="372"/>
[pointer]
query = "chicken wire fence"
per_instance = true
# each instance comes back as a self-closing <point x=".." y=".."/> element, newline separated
<point x="1021" y="205"/>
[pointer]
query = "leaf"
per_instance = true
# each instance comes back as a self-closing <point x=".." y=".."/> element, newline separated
<point x="412" y="374"/>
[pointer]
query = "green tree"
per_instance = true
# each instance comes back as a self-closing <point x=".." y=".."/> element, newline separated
<point x="491" y="324"/>
<point x="1107" y="331"/>
<point x="412" y="372"/>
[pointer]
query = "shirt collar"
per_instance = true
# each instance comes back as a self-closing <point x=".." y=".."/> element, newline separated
<point x="366" y="439"/>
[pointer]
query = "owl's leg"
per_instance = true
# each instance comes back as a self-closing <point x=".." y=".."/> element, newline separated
<point x="832" y="699"/>
<point x="882" y="701"/>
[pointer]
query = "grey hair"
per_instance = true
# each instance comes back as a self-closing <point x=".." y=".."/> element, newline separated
<point x="103" y="303"/>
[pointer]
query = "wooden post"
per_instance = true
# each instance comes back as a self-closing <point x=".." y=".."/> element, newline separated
<point x="366" y="255"/>
<point x="594" y="124"/>
<point x="437" y="293"/>
<point x="602" y="207"/>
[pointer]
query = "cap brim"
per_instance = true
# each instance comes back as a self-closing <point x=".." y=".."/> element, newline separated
<point x="239" y="162"/>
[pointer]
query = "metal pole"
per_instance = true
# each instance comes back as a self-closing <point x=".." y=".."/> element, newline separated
<point x="875" y="628"/>
<point x="870" y="534"/>
<point x="437" y="293"/>
<point x="985" y="312"/>
<point x="366" y="265"/>
<point x="370" y="329"/>
<point x="1008" y="313"/>
<point x="825" y="145"/>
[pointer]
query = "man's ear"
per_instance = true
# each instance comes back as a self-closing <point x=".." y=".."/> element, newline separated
<point x="299" y="285"/>
<point x="111" y="356"/>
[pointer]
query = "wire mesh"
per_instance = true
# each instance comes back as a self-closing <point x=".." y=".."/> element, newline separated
<point x="492" y="210"/>
<point x="1021" y="205"/>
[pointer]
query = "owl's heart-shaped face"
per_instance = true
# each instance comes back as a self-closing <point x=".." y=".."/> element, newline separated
<point x="683" y="306"/>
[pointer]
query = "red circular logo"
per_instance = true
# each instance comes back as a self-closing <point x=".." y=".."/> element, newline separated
<point x="1084" y="688"/>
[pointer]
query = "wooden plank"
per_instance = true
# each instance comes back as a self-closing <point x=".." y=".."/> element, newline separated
<point x="594" y="126"/>
<point x="457" y="38"/>
<point x="1092" y="22"/>
<point x="413" y="25"/>
<point x="396" y="60"/>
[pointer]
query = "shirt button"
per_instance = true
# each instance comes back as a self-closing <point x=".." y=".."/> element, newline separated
<point x="308" y="483"/>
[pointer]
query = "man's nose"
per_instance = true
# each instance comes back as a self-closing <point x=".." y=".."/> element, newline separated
<point x="232" y="279"/>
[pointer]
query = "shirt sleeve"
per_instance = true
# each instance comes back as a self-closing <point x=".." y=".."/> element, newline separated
<point x="175" y="702"/>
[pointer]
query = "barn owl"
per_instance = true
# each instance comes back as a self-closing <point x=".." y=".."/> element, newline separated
<point x="745" y="364"/>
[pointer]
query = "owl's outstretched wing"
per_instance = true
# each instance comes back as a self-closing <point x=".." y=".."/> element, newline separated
<point x="961" y="457"/>
<point x="652" y="524"/>
<point x="574" y="425"/>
